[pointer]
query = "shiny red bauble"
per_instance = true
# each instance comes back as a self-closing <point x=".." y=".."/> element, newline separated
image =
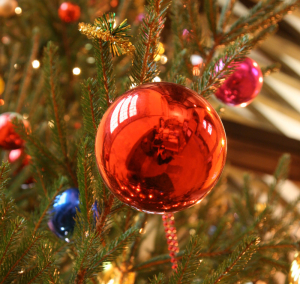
<point x="160" y="148"/>
<point x="9" y="138"/>
<point x="243" y="85"/>
<point x="69" y="12"/>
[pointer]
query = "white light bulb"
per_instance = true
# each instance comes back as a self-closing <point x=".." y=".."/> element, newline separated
<point x="76" y="71"/>
<point x="18" y="10"/>
<point x="35" y="64"/>
<point x="196" y="59"/>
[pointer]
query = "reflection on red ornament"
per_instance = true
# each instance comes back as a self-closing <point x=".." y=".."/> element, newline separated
<point x="9" y="138"/>
<point x="19" y="156"/>
<point x="69" y="12"/>
<point x="160" y="148"/>
<point x="15" y="155"/>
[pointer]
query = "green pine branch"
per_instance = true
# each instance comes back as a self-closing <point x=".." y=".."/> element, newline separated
<point x="11" y="236"/>
<point x="260" y="17"/>
<point x="280" y="174"/>
<point x="90" y="258"/>
<point x="93" y="105"/>
<point x="211" y="15"/>
<point x="267" y="70"/>
<point x="85" y="180"/>
<point x="22" y="256"/>
<point x="44" y="268"/>
<point x="225" y="15"/>
<point x="56" y="110"/>
<point x="158" y="279"/>
<point x="4" y="172"/>
<point x="235" y="263"/>
<point x="219" y="68"/>
<point x="144" y="68"/>
<point x="46" y="204"/>
<point x="28" y="72"/>
<point x="188" y="266"/>
<point x="248" y="197"/>
<point x="182" y="48"/>
<point x="196" y="40"/>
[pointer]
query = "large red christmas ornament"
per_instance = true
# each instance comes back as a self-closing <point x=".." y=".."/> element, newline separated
<point x="9" y="139"/>
<point x="69" y="12"/>
<point x="160" y="148"/>
<point x="242" y="86"/>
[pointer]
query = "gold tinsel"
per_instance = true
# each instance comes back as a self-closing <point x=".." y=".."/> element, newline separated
<point x="115" y="275"/>
<point x="119" y="45"/>
<point x="294" y="275"/>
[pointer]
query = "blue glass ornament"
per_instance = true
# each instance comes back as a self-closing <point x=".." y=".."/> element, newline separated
<point x="63" y="213"/>
<point x="62" y="220"/>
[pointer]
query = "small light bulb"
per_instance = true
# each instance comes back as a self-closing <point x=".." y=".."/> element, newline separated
<point x="51" y="123"/>
<point x="161" y="48"/>
<point x="157" y="57"/>
<point x="35" y="64"/>
<point x="91" y="60"/>
<point x="18" y="10"/>
<point x="243" y="104"/>
<point x="107" y="265"/>
<point x="88" y="46"/>
<point x="196" y="59"/>
<point x="76" y="71"/>
<point x="163" y="59"/>
<point x="157" y="79"/>
<point x="196" y="71"/>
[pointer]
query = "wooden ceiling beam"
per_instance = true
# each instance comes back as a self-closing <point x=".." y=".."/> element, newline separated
<point x="259" y="150"/>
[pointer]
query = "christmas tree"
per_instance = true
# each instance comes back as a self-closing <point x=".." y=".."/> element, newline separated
<point x="66" y="182"/>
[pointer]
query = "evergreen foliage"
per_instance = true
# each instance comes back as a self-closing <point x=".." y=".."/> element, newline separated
<point x="226" y="241"/>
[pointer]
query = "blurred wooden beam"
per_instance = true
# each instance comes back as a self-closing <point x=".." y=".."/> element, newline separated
<point x="259" y="150"/>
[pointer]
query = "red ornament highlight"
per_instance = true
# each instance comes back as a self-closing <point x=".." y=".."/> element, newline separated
<point x="9" y="139"/>
<point x="241" y="88"/>
<point x="160" y="148"/>
<point x="69" y="12"/>
<point x="19" y="156"/>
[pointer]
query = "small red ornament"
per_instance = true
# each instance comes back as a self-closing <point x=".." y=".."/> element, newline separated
<point x="69" y="12"/>
<point x="9" y="139"/>
<point x="242" y="86"/>
<point x="160" y="148"/>
<point x="19" y="156"/>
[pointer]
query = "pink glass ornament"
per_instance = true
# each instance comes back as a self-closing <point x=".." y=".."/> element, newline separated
<point x="242" y="86"/>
